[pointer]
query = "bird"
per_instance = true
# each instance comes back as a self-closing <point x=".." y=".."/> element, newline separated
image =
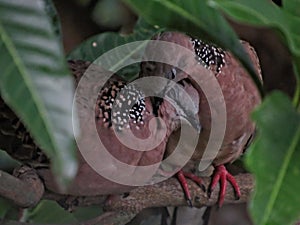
<point x="240" y="93"/>
<point x="109" y="120"/>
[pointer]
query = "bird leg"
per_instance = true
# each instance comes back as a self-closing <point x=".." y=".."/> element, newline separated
<point x="181" y="176"/>
<point x="221" y="174"/>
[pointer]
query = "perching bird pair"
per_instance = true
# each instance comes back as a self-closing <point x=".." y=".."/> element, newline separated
<point x="239" y="92"/>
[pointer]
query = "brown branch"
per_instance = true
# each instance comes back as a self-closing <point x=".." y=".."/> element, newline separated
<point x="122" y="208"/>
<point x="169" y="193"/>
<point x="24" y="189"/>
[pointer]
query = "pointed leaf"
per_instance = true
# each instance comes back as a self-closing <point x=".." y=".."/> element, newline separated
<point x="274" y="160"/>
<point x="35" y="82"/>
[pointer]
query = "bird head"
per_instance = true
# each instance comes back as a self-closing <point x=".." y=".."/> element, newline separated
<point x="179" y="102"/>
<point x="200" y="52"/>
<point x="183" y="63"/>
<point x="186" y="104"/>
<point x="167" y="53"/>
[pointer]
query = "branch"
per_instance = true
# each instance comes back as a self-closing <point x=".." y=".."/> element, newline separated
<point x="168" y="193"/>
<point x="122" y="208"/>
<point x="24" y="189"/>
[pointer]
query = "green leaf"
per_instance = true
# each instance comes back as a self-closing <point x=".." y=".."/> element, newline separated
<point x="251" y="12"/>
<point x="97" y="45"/>
<point x="6" y="162"/>
<point x="264" y="13"/>
<point x="5" y="206"/>
<point x="296" y="67"/>
<point x="198" y="19"/>
<point x="87" y="212"/>
<point x="292" y="6"/>
<point x="49" y="212"/>
<point x="274" y="160"/>
<point x="54" y="18"/>
<point x="35" y="81"/>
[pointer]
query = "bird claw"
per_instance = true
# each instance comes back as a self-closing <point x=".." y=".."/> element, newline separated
<point x="182" y="179"/>
<point x="221" y="174"/>
<point x="190" y="203"/>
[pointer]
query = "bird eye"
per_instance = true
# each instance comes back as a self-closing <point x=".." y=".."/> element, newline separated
<point x="173" y="73"/>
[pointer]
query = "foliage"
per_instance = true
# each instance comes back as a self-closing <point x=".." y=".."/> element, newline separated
<point x="99" y="44"/>
<point x="278" y="143"/>
<point x="49" y="212"/>
<point x="35" y="81"/>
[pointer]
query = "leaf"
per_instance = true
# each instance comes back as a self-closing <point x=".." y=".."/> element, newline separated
<point x="54" y="18"/>
<point x="296" y="67"/>
<point x="5" y="206"/>
<point x="6" y="162"/>
<point x="87" y="212"/>
<point x="35" y="82"/>
<point x="197" y="18"/>
<point x="97" y="45"/>
<point x="265" y="13"/>
<point x="49" y="212"/>
<point x="274" y="160"/>
<point x="251" y="12"/>
<point x="291" y="6"/>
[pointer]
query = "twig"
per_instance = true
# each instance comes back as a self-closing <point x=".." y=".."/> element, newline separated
<point x="169" y="193"/>
<point x="25" y="190"/>
<point x="123" y="208"/>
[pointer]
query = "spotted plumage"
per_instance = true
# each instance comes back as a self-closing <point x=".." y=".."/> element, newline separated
<point x="208" y="54"/>
<point x="119" y="104"/>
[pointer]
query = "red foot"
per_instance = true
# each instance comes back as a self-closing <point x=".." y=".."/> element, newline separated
<point x="182" y="179"/>
<point x="221" y="174"/>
